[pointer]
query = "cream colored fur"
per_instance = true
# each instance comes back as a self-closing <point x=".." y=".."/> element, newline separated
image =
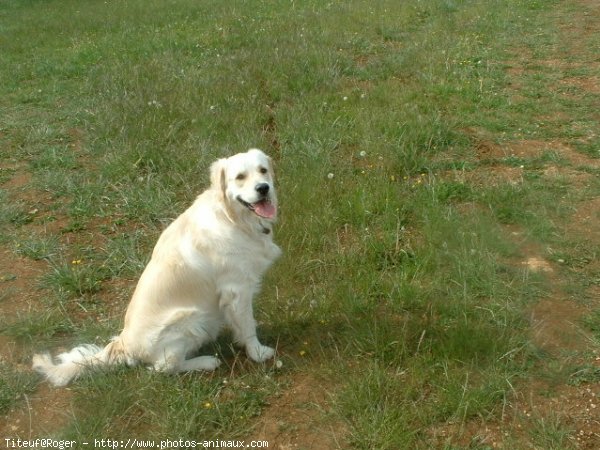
<point x="204" y="272"/>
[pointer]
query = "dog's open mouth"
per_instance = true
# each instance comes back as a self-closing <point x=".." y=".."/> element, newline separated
<point x="263" y="208"/>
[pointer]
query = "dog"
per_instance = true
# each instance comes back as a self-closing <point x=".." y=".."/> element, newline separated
<point x="203" y="274"/>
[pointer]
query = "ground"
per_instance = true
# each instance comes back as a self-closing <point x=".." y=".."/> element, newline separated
<point x="556" y="321"/>
<point x="294" y="416"/>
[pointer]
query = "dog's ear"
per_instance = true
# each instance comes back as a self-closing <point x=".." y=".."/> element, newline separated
<point x="217" y="176"/>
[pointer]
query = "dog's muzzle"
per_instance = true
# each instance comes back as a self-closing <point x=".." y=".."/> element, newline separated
<point x="263" y="207"/>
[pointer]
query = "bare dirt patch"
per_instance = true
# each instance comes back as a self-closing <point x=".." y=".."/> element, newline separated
<point x="18" y="276"/>
<point x="532" y="149"/>
<point x="500" y="163"/>
<point x="38" y="415"/>
<point x="556" y="325"/>
<point x="585" y="221"/>
<point x="297" y="418"/>
<point x="589" y="85"/>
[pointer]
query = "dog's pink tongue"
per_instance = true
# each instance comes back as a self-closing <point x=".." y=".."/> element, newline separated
<point x="265" y="209"/>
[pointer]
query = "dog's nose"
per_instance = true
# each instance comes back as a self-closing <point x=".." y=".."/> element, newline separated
<point x="262" y="188"/>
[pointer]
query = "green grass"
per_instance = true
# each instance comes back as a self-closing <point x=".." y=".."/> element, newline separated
<point x="397" y="282"/>
<point x="37" y="248"/>
<point x="37" y="326"/>
<point x="14" y="385"/>
<point x="189" y="408"/>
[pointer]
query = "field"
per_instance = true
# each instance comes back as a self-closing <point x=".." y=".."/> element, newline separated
<point x="438" y="172"/>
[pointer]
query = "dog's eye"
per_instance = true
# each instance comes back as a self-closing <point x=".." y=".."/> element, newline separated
<point x="263" y="170"/>
<point x="241" y="177"/>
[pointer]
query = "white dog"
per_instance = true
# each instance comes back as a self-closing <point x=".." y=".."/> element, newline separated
<point x="205" y="269"/>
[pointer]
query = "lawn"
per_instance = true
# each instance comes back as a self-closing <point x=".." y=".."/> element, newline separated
<point x="437" y="169"/>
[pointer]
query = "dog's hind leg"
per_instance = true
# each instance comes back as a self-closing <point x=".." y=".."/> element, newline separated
<point x="183" y="333"/>
<point x="175" y="363"/>
<point x="208" y="363"/>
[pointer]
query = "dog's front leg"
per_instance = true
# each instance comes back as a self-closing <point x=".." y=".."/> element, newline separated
<point x="237" y="308"/>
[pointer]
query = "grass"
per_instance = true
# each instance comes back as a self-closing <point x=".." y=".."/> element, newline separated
<point x="14" y="385"/>
<point x="398" y="283"/>
<point x="159" y="408"/>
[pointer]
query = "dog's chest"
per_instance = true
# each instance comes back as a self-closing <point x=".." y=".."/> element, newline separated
<point x="252" y="255"/>
<point x="228" y="252"/>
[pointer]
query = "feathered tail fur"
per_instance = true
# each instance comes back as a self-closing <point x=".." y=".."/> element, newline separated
<point x="72" y="364"/>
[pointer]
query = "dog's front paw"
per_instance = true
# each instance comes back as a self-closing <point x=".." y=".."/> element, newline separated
<point x="259" y="352"/>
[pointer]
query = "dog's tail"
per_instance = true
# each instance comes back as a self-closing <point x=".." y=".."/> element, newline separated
<point x="72" y="364"/>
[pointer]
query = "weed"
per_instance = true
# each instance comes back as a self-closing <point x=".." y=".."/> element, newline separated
<point x="77" y="277"/>
<point x="38" y="248"/>
<point x="551" y="433"/>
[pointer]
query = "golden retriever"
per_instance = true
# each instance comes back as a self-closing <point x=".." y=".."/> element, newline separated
<point x="205" y="269"/>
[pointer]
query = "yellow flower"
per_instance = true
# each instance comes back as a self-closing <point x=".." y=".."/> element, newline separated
<point x="76" y="262"/>
<point x="207" y="405"/>
<point x="302" y="352"/>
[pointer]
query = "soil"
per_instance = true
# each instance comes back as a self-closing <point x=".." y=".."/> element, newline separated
<point x="293" y="420"/>
<point x="556" y="320"/>
<point x="47" y="408"/>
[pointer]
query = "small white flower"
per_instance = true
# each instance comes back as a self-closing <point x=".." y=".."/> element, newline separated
<point x="363" y="154"/>
<point x="330" y="175"/>
<point x="278" y="364"/>
<point x="345" y="98"/>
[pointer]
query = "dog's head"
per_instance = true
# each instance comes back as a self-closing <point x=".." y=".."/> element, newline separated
<point x="245" y="182"/>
